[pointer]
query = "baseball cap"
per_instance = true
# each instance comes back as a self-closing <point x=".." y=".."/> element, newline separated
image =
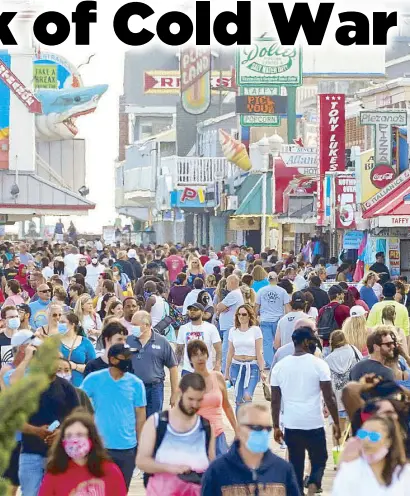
<point x="198" y="306"/>
<point x="24" y="307"/>
<point x="152" y="265"/>
<point x="132" y="254"/>
<point x="357" y="311"/>
<point x="335" y="290"/>
<point x="119" y="349"/>
<point x="25" y="337"/>
<point x="302" y="333"/>
<point x="298" y="296"/>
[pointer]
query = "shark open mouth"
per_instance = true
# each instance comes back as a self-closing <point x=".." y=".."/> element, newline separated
<point x="70" y="123"/>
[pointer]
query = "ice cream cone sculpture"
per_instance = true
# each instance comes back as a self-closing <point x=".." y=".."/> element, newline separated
<point x="234" y="151"/>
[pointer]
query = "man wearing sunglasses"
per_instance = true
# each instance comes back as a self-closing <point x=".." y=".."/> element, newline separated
<point x="39" y="308"/>
<point x="250" y="463"/>
<point x="381" y="344"/>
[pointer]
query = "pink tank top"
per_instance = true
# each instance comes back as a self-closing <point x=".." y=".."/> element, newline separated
<point x="211" y="406"/>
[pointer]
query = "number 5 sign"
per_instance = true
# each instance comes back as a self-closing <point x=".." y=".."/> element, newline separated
<point x="345" y="192"/>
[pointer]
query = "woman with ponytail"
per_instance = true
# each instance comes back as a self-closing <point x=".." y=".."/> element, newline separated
<point x="75" y="347"/>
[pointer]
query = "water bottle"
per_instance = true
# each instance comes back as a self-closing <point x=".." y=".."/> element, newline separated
<point x="228" y="384"/>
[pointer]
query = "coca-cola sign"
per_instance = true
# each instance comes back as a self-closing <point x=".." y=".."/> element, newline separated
<point x="382" y="175"/>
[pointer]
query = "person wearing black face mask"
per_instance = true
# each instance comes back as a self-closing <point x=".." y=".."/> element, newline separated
<point x="299" y="381"/>
<point x="119" y="400"/>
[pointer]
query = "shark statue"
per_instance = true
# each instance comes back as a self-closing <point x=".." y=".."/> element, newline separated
<point x="61" y="108"/>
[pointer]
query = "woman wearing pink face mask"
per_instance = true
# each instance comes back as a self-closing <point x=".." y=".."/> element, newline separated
<point x="374" y="462"/>
<point x="78" y="463"/>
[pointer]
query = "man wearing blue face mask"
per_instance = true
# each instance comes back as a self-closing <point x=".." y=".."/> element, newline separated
<point x="11" y="317"/>
<point x="151" y="353"/>
<point x="250" y="464"/>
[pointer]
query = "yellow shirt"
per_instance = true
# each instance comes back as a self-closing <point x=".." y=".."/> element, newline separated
<point x="402" y="316"/>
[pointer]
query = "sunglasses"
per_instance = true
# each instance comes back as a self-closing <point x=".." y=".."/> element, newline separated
<point x="372" y="436"/>
<point x="258" y="428"/>
<point x="55" y="315"/>
<point x="390" y="344"/>
<point x="45" y="291"/>
<point x="243" y="314"/>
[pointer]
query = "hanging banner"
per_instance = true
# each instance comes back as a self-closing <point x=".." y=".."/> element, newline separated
<point x="332" y="142"/>
<point x="345" y="201"/>
<point x="394" y="256"/>
<point x="195" y="68"/>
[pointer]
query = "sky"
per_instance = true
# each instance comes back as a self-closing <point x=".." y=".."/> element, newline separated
<point x="101" y="128"/>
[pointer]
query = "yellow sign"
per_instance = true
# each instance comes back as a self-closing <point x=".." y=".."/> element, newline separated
<point x="368" y="190"/>
<point x="45" y="77"/>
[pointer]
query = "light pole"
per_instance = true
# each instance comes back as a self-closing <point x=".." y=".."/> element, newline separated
<point x="271" y="145"/>
<point x="264" y="150"/>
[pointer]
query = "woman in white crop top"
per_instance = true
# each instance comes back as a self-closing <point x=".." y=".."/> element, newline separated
<point x="244" y="362"/>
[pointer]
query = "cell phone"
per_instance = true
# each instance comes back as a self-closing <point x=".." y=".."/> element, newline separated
<point x="55" y="425"/>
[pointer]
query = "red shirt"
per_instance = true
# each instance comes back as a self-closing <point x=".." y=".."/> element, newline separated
<point x="342" y="312"/>
<point x="204" y="259"/>
<point x="175" y="264"/>
<point x="78" y="481"/>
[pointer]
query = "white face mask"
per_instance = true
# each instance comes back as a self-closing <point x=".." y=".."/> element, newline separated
<point x="65" y="376"/>
<point x="95" y="261"/>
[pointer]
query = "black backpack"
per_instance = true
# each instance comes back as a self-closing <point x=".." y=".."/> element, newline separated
<point x="327" y="322"/>
<point x="163" y="421"/>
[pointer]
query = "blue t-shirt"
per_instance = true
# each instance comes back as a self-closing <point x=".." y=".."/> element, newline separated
<point x="368" y="295"/>
<point x="257" y="285"/>
<point x="114" y="404"/>
<point x="82" y="355"/>
<point x="6" y="379"/>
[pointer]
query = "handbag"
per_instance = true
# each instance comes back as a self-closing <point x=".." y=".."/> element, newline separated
<point x="267" y="392"/>
<point x="337" y="450"/>
<point x="163" y="326"/>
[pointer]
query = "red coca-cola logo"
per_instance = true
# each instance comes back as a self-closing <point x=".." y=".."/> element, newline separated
<point x="382" y="175"/>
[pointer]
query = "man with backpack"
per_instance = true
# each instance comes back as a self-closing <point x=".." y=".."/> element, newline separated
<point x="177" y="445"/>
<point x="332" y="316"/>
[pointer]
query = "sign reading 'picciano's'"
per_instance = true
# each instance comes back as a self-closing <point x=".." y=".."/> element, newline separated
<point x="267" y="62"/>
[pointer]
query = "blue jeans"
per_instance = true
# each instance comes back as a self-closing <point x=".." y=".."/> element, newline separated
<point x="244" y="394"/>
<point x="225" y="346"/>
<point x="31" y="473"/>
<point x="155" y="397"/>
<point x="125" y="461"/>
<point x="268" y="332"/>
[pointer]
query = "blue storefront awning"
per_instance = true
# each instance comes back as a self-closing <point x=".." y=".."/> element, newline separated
<point x="250" y="196"/>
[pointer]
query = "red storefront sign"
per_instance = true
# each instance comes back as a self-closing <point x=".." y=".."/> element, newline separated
<point x="332" y="146"/>
<point x="382" y="175"/>
<point x="345" y="201"/>
<point x="17" y="87"/>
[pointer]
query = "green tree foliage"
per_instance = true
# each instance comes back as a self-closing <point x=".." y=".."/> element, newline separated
<point x="21" y="400"/>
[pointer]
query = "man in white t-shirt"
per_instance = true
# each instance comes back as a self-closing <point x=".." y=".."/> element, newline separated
<point x="300" y="380"/>
<point x="226" y="310"/>
<point x="198" y="329"/>
<point x="286" y="324"/>
<point x="272" y="302"/>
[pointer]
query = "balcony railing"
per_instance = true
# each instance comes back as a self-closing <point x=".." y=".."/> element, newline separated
<point x="199" y="171"/>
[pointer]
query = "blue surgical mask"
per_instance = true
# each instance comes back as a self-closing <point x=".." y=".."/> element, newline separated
<point x="136" y="331"/>
<point x="258" y="441"/>
<point x="14" y="323"/>
<point x="62" y="327"/>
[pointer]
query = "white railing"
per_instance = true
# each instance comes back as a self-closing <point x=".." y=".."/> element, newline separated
<point x="199" y="171"/>
<point x="42" y="164"/>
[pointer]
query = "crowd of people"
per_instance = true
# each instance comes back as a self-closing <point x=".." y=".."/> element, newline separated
<point x="214" y="325"/>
